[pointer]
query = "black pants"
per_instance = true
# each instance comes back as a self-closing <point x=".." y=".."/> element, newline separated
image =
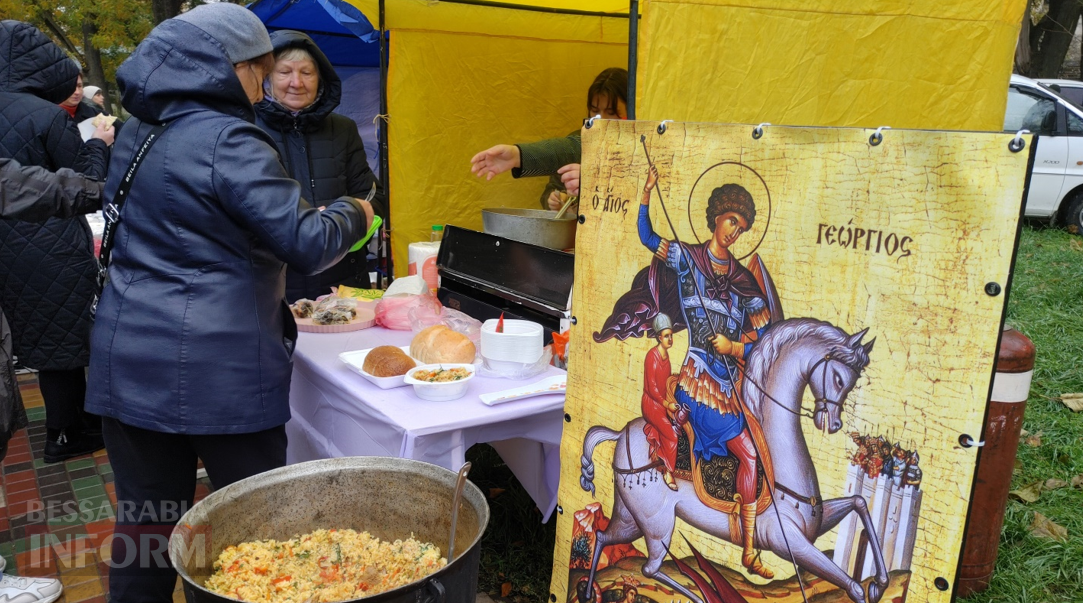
<point x="64" y="393"/>
<point x="155" y="476"/>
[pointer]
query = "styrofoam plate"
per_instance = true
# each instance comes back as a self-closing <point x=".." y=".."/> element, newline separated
<point x="355" y="360"/>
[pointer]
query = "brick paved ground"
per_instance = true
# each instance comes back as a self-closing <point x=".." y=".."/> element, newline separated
<point x="71" y="543"/>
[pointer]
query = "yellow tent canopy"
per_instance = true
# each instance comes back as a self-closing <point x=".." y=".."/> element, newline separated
<point x="463" y="77"/>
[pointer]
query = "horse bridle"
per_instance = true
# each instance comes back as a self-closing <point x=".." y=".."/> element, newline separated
<point x="817" y="404"/>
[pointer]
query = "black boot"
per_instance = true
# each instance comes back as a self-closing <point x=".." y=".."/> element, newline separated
<point x="70" y="444"/>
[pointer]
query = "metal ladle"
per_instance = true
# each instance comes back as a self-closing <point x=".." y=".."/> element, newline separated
<point x="455" y="509"/>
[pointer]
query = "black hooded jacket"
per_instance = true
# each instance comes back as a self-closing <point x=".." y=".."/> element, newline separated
<point x="47" y="270"/>
<point x="324" y="153"/>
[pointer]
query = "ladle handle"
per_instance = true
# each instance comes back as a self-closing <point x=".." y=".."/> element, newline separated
<point x="455" y="509"/>
<point x="571" y="200"/>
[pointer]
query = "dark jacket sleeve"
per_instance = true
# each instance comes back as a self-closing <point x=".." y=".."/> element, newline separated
<point x="359" y="176"/>
<point x="34" y="194"/>
<point x="255" y="190"/>
<point x="93" y="159"/>
<point x="545" y="157"/>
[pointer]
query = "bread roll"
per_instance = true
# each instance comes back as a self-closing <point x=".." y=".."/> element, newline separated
<point x="387" y="361"/>
<point x="441" y="345"/>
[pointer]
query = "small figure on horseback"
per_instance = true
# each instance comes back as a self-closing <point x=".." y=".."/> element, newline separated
<point x="725" y="310"/>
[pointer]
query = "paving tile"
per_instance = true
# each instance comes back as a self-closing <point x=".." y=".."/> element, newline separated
<point x="86" y="482"/>
<point x="81" y="463"/>
<point x="51" y="491"/>
<point x="51" y="469"/>
<point x="39" y="463"/>
<point x="53" y="479"/>
<point x="82" y="473"/>
<point x="9" y="469"/>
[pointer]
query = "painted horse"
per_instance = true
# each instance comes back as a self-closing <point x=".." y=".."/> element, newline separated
<point x="792" y="355"/>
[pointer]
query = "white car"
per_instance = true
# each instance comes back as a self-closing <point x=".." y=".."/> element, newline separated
<point x="1067" y="89"/>
<point x="1056" y="183"/>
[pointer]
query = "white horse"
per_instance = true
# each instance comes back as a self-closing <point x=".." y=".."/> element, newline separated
<point x="792" y="355"/>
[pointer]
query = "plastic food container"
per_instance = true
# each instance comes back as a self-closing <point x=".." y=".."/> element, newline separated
<point x="356" y="360"/>
<point x="519" y="346"/>
<point x="440" y="391"/>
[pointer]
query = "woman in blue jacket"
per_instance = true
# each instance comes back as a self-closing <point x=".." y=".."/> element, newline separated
<point x="191" y="348"/>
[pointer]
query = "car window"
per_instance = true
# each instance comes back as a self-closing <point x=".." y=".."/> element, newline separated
<point x="1030" y="111"/>
<point x="1075" y="124"/>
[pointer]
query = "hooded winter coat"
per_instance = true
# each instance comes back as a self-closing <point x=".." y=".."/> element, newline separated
<point x="193" y="334"/>
<point x="324" y="153"/>
<point x="33" y="193"/>
<point x="47" y="269"/>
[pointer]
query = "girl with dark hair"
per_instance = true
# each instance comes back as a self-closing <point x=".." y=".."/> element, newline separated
<point x="557" y="158"/>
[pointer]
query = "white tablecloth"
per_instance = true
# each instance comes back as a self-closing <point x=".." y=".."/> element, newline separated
<point x="336" y="412"/>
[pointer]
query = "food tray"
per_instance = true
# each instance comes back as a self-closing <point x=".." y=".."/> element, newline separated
<point x="366" y="317"/>
<point x="355" y="360"/>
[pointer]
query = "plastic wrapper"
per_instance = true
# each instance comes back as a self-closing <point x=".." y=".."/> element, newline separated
<point x="423" y="317"/>
<point x="393" y="311"/>
<point x="519" y="372"/>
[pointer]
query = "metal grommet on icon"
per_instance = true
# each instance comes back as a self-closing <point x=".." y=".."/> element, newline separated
<point x="567" y="418"/>
<point x="1018" y="144"/>
<point x="878" y="136"/>
<point x="560" y="509"/>
<point x="582" y="219"/>
<point x="941" y="583"/>
<point x="757" y="132"/>
<point x="992" y="289"/>
<point x="552" y="598"/>
<point x="968" y="442"/>
<point x="575" y="321"/>
<point x="590" y="122"/>
<point x="662" y="126"/>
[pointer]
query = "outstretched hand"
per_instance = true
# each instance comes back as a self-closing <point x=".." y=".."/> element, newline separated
<point x="495" y="160"/>
<point x="569" y="175"/>
<point x="652" y="180"/>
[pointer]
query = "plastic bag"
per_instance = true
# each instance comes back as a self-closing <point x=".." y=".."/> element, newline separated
<point x="393" y="311"/>
<point x="423" y="317"/>
<point x="520" y="371"/>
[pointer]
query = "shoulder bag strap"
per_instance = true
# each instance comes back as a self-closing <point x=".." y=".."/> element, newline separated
<point x="112" y="210"/>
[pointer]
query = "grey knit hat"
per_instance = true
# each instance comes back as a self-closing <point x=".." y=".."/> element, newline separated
<point x="234" y="26"/>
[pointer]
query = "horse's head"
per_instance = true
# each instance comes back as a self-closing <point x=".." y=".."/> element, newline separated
<point x="834" y="376"/>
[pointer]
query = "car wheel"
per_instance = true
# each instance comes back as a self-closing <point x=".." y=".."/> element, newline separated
<point x="1073" y="215"/>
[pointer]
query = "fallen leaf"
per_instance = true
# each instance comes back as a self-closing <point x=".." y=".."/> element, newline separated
<point x="1076" y="245"/>
<point x="1073" y="401"/>
<point x="1028" y="494"/>
<point x="1034" y="440"/>
<point x="1023" y="433"/>
<point x="1018" y="468"/>
<point x="494" y="492"/>
<point x="505" y="589"/>
<point x="1055" y="484"/>
<point x="1077" y="481"/>
<point x="1043" y="527"/>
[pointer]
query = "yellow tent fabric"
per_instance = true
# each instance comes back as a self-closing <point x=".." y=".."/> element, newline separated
<point x="918" y="64"/>
<point x="465" y="77"/>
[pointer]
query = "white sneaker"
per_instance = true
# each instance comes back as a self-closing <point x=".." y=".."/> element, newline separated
<point x="19" y="589"/>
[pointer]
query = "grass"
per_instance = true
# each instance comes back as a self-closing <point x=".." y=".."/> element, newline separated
<point x="1046" y="304"/>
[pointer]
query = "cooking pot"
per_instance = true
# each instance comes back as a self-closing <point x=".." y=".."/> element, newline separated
<point x="390" y="498"/>
<point x="534" y="226"/>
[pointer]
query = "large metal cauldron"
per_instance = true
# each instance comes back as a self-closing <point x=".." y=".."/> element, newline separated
<point x="534" y="226"/>
<point x="388" y="497"/>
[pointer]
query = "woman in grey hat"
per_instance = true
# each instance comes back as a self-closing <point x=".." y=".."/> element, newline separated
<point x="191" y="349"/>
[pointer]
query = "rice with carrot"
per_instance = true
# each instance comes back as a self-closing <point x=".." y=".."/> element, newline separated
<point x="324" y="566"/>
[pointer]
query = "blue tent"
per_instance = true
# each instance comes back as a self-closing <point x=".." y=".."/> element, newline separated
<point x="352" y="44"/>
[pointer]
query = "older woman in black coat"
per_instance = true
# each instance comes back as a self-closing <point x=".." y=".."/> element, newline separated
<point x="319" y="148"/>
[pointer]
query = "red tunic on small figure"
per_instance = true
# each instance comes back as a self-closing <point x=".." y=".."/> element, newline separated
<point x="660" y="431"/>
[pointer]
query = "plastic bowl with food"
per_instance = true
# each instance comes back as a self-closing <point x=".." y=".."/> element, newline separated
<point x="440" y="382"/>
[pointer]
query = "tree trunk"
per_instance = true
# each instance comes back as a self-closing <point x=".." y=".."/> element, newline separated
<point x="1022" y="46"/>
<point x="165" y="9"/>
<point x="94" y="70"/>
<point x="1059" y="28"/>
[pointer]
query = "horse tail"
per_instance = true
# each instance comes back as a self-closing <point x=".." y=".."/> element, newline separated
<point x="595" y="435"/>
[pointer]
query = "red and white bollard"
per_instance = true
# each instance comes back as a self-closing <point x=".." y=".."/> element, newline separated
<point x="1011" y="386"/>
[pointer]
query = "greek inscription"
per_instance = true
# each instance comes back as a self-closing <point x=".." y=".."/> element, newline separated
<point x="851" y="236"/>
<point x="610" y="203"/>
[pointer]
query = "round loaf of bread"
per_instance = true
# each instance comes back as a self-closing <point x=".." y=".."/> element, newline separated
<point x="387" y="361"/>
<point x="440" y="345"/>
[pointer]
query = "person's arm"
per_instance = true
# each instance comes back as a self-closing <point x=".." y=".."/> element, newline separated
<point x="546" y="157"/>
<point x="255" y="190"/>
<point x="359" y="176"/>
<point x="34" y="194"/>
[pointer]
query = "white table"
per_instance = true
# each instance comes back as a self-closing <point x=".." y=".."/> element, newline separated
<point x="336" y="412"/>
